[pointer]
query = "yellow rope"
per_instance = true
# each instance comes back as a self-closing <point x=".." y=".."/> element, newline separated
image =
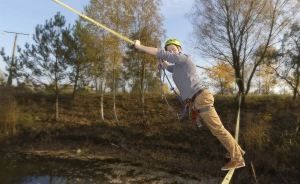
<point x="95" y="22"/>
<point x="228" y="176"/>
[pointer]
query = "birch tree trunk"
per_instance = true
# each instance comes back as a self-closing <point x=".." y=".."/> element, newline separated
<point x="114" y="97"/>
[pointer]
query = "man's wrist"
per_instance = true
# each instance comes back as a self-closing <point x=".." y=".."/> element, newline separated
<point x="137" y="47"/>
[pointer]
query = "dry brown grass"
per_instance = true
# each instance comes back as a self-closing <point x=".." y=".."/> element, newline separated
<point x="8" y="112"/>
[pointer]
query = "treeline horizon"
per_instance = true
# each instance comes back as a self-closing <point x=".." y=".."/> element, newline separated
<point x="243" y="48"/>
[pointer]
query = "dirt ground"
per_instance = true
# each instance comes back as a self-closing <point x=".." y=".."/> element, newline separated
<point x="129" y="167"/>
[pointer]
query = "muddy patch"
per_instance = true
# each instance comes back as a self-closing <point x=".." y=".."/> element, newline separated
<point x="65" y="167"/>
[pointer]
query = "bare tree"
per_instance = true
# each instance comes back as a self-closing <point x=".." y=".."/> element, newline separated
<point x="233" y="30"/>
<point x="289" y="67"/>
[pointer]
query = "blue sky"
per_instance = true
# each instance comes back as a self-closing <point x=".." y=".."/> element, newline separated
<point x="23" y="16"/>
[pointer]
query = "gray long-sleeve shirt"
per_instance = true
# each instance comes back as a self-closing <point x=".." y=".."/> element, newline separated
<point x="185" y="74"/>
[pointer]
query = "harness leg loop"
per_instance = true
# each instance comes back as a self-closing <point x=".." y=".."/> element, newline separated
<point x="205" y="109"/>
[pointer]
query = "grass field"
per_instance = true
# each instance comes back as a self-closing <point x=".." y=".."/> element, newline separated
<point x="268" y="131"/>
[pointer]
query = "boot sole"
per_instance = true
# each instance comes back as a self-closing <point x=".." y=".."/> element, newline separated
<point x="233" y="167"/>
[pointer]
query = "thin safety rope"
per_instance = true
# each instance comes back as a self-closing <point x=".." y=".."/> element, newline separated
<point x="95" y="22"/>
<point x="172" y="88"/>
<point x="162" y="78"/>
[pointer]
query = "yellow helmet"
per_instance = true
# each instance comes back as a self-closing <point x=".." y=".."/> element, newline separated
<point x="172" y="41"/>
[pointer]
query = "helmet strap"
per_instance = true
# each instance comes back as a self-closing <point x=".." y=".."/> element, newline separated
<point x="179" y="49"/>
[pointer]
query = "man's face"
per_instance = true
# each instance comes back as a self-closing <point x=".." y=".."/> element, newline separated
<point x="173" y="49"/>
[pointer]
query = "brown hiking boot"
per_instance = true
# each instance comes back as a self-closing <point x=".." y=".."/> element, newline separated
<point x="233" y="164"/>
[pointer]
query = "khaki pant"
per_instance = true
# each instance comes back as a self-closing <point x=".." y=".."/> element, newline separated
<point x="215" y="125"/>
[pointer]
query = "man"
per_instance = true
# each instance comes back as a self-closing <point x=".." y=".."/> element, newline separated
<point x="188" y="82"/>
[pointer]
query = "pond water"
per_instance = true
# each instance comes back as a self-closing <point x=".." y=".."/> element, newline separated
<point x="18" y="168"/>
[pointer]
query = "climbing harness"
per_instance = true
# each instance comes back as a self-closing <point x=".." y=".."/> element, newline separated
<point x="197" y="114"/>
<point x="187" y="104"/>
<point x="162" y="79"/>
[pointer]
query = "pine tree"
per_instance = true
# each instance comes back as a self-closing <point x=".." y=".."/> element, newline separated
<point x="46" y="60"/>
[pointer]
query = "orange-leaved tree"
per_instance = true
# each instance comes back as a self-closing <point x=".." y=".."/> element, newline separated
<point x="222" y="77"/>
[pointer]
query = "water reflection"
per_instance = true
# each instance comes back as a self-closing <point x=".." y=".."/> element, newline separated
<point x="17" y="168"/>
<point x="30" y="169"/>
